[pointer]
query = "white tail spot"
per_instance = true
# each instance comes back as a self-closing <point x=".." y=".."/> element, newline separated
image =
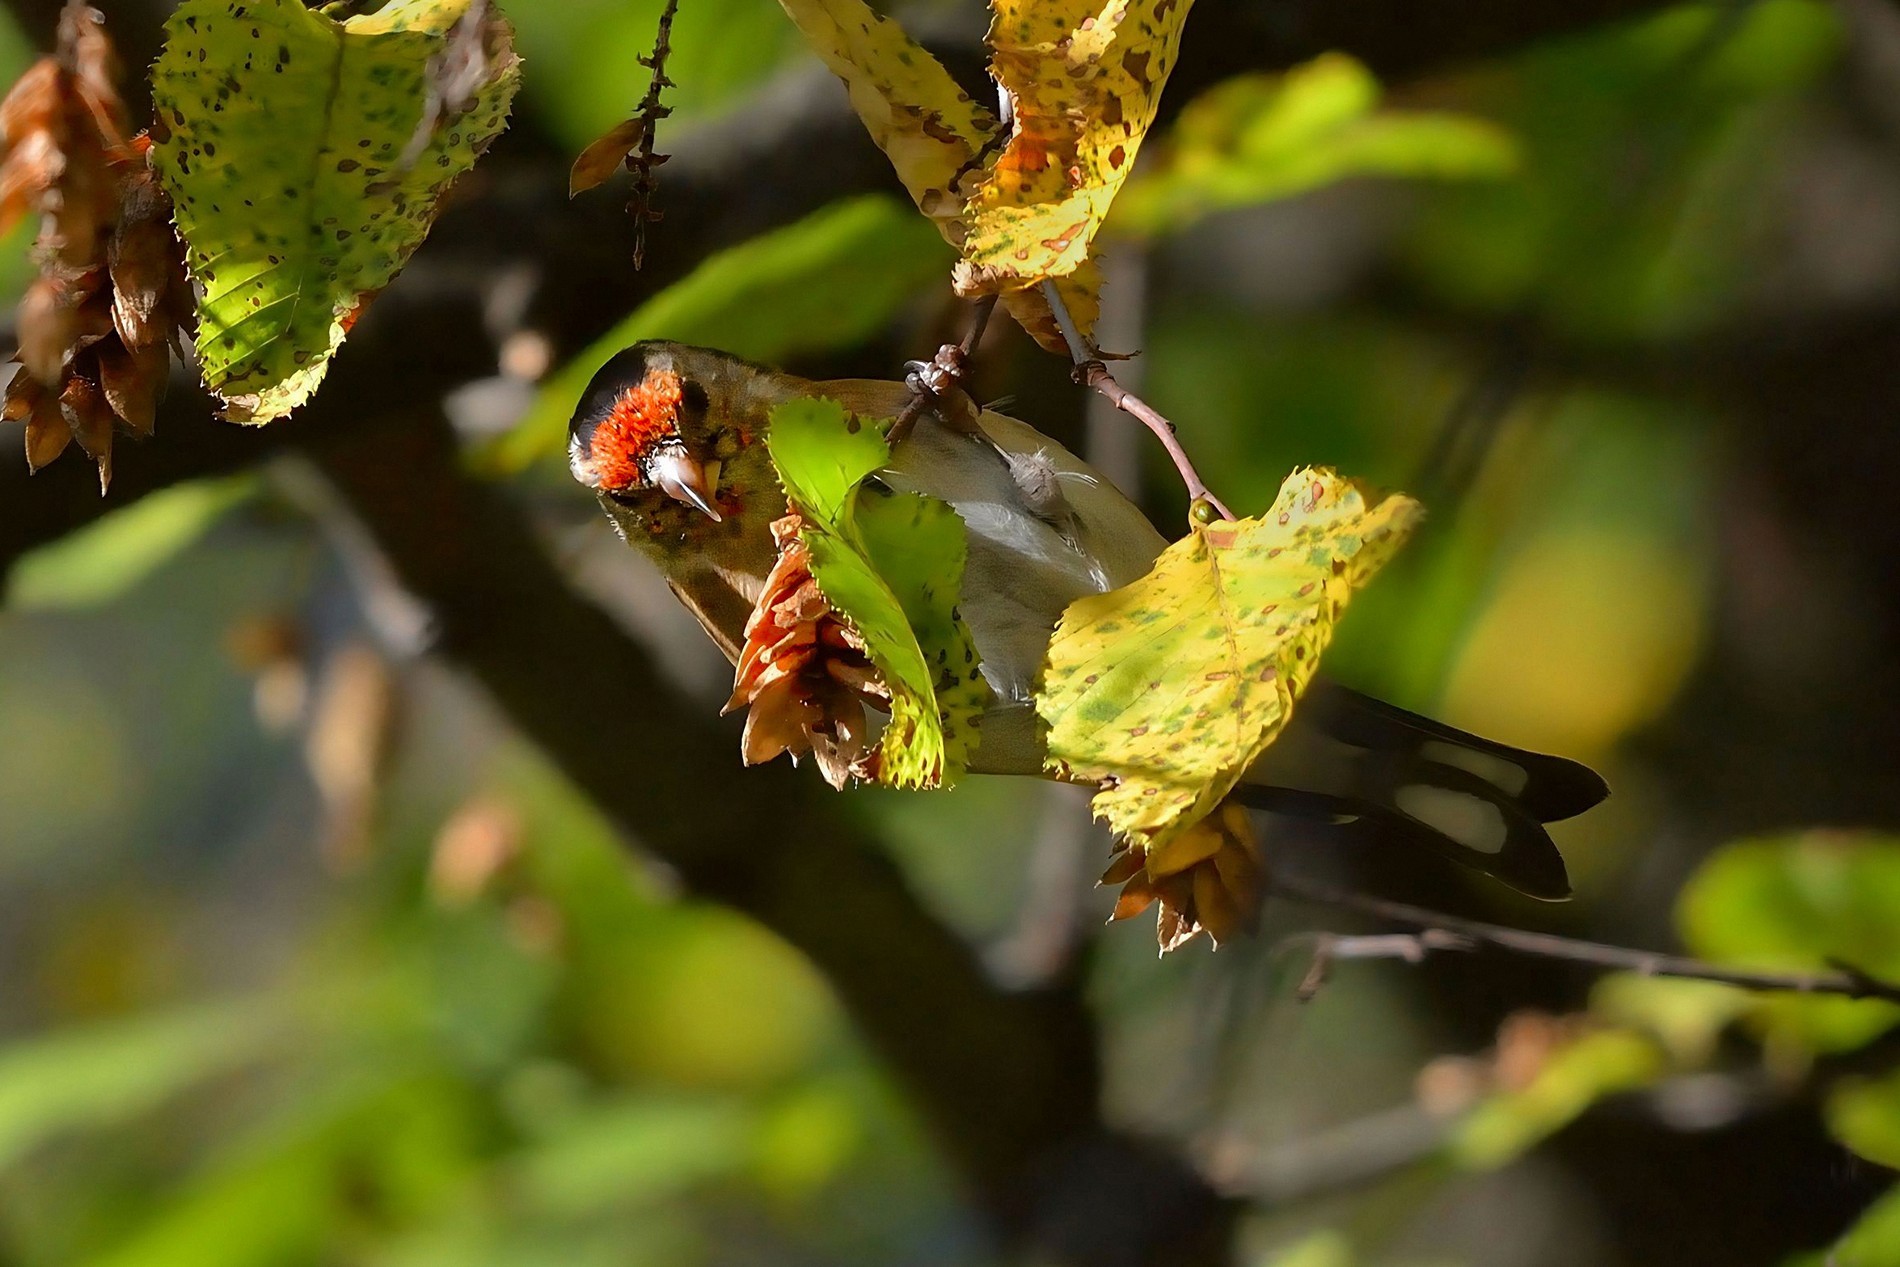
<point x="1506" y="776"/>
<point x="1472" y="821"/>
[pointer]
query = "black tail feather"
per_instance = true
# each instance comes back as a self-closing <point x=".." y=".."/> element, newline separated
<point x="1519" y="851"/>
<point x="1409" y="780"/>
<point x="1548" y="789"/>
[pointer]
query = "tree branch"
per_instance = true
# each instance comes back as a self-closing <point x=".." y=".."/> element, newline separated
<point x="1007" y="1081"/>
<point x="1442" y="932"/>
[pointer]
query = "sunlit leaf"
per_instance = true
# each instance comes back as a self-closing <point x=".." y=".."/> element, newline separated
<point x="1795" y="904"/>
<point x="1865" y="1115"/>
<point x="934" y="135"/>
<point x="1586" y="1069"/>
<point x="107" y="559"/>
<point x="892" y="565"/>
<point x="830" y="280"/>
<point x="285" y="135"/>
<point x="1874" y="1241"/>
<point x="1169" y="688"/>
<point x="1084" y="81"/>
<point x="394" y="1138"/>
<point x="1321" y="1249"/>
<point x="641" y="1150"/>
<point x="1686" y="1017"/>
<point x="1259" y="137"/>
<point x="718" y="49"/>
<point x="925" y="124"/>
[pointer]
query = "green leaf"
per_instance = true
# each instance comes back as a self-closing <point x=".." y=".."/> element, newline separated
<point x="1322" y="1249"/>
<point x="1255" y="138"/>
<point x="1594" y="1065"/>
<point x="1686" y="1017"/>
<point x="831" y="280"/>
<point x="642" y="1149"/>
<point x="892" y="565"/>
<point x="718" y="50"/>
<point x="1794" y="904"/>
<point x="1872" y="1242"/>
<point x="107" y="559"/>
<point x="1166" y="690"/>
<point x="1865" y="1115"/>
<point x="107" y="1074"/>
<point x="286" y="135"/>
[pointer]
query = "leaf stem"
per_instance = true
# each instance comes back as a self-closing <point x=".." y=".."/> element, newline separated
<point x="1441" y="932"/>
<point x="1091" y="372"/>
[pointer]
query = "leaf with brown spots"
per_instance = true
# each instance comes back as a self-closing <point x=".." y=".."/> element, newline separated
<point x="934" y="135"/>
<point x="1166" y="690"/>
<point x="285" y="157"/>
<point x="928" y="127"/>
<point x="1084" y="78"/>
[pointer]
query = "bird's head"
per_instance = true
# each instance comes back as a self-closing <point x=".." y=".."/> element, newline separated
<point x="665" y="430"/>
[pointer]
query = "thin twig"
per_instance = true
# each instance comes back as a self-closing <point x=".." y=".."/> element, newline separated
<point x="1090" y="371"/>
<point x="643" y="163"/>
<point x="1454" y="933"/>
<point x="1330" y="948"/>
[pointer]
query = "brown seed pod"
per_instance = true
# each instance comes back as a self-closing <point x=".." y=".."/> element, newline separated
<point x="47" y="434"/>
<point x="133" y="382"/>
<point x="83" y="404"/>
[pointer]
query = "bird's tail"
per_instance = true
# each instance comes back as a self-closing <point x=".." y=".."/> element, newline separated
<point x="1412" y="780"/>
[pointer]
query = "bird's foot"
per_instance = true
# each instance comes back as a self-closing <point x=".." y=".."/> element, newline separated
<point x="937" y="385"/>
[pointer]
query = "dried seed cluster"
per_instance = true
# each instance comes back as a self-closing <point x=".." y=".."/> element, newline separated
<point x="96" y="327"/>
<point x="803" y="676"/>
<point x="1207" y="880"/>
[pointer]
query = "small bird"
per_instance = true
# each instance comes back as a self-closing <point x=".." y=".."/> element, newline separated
<point x="671" y="440"/>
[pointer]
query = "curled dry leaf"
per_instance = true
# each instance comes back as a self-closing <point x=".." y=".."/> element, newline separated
<point x="1207" y="880"/>
<point x="803" y="676"/>
<point x="94" y="327"/>
<point x="631" y="142"/>
<point x="604" y="156"/>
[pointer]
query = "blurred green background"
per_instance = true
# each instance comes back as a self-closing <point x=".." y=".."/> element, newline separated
<point x="307" y="959"/>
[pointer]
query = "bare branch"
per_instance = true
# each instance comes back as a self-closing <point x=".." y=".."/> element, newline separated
<point x="1442" y="932"/>
<point x="645" y="162"/>
<point x="1330" y="948"/>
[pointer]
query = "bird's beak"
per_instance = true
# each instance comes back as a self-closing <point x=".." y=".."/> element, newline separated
<point x="684" y="480"/>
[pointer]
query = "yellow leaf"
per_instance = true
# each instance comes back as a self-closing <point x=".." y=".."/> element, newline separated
<point x="1166" y="690"/>
<point x="934" y="134"/>
<point x="927" y="126"/>
<point x="1084" y="78"/>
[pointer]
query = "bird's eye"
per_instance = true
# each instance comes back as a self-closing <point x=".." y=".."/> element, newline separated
<point x="694" y="398"/>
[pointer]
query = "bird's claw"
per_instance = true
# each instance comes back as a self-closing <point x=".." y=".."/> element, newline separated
<point x="937" y="385"/>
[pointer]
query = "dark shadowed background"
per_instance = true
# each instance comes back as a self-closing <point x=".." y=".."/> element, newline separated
<point x="378" y="886"/>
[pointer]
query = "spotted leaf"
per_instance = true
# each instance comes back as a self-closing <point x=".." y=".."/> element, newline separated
<point x="285" y="151"/>
<point x="1166" y="690"/>
<point x="935" y="136"/>
<point x="1084" y="78"/>
<point x="927" y="126"/>
<point x="891" y="564"/>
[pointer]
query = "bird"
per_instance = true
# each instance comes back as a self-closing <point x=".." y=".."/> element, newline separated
<point x="670" y="439"/>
